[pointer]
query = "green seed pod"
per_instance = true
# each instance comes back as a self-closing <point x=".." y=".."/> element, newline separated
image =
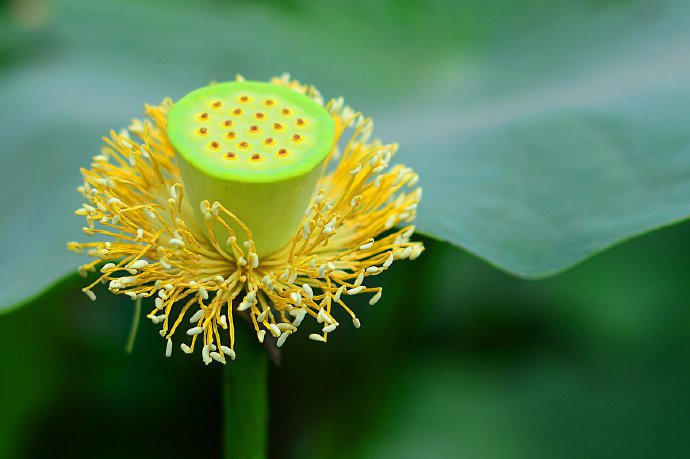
<point x="258" y="149"/>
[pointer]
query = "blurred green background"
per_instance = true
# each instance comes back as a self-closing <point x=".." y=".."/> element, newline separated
<point x="458" y="360"/>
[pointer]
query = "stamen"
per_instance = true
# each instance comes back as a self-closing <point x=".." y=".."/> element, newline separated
<point x="199" y="272"/>
<point x="195" y="331"/>
<point x="282" y="338"/>
<point x="197" y="316"/>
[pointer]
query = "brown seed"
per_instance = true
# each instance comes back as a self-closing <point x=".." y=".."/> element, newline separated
<point x="254" y="128"/>
<point x="300" y="121"/>
<point x="237" y="111"/>
<point x="285" y="111"/>
<point x="256" y="157"/>
<point x="204" y="116"/>
<point x="230" y="155"/>
<point x="282" y="152"/>
<point x="277" y="126"/>
<point x="259" y="116"/>
<point x="244" y="144"/>
<point x="203" y="130"/>
<point x="296" y="138"/>
<point x="231" y="135"/>
<point x="215" y="145"/>
<point x="244" y="99"/>
<point x="217" y="104"/>
<point x="228" y="123"/>
<point x="268" y="141"/>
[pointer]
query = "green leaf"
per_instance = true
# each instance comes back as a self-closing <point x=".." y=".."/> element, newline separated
<point x="543" y="132"/>
<point x="565" y="133"/>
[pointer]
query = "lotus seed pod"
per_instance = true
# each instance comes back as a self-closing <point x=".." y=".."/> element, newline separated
<point x="258" y="149"/>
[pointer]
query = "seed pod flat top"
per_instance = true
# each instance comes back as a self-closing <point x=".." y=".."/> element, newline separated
<point x="250" y="131"/>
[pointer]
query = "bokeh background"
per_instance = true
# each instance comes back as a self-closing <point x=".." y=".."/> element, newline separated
<point x="458" y="360"/>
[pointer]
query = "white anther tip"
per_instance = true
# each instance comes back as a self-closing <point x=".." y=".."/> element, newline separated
<point x="227" y="351"/>
<point x="197" y="316"/>
<point x="329" y="328"/>
<point x="218" y="357"/>
<point x="275" y="331"/>
<point x="282" y="339"/>
<point x="195" y="331"/>
<point x="356" y="290"/>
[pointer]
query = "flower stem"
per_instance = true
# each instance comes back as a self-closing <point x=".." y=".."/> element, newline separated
<point x="134" y="327"/>
<point x="245" y="396"/>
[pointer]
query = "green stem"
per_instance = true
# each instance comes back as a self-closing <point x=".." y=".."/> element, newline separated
<point x="245" y="399"/>
<point x="134" y="327"/>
